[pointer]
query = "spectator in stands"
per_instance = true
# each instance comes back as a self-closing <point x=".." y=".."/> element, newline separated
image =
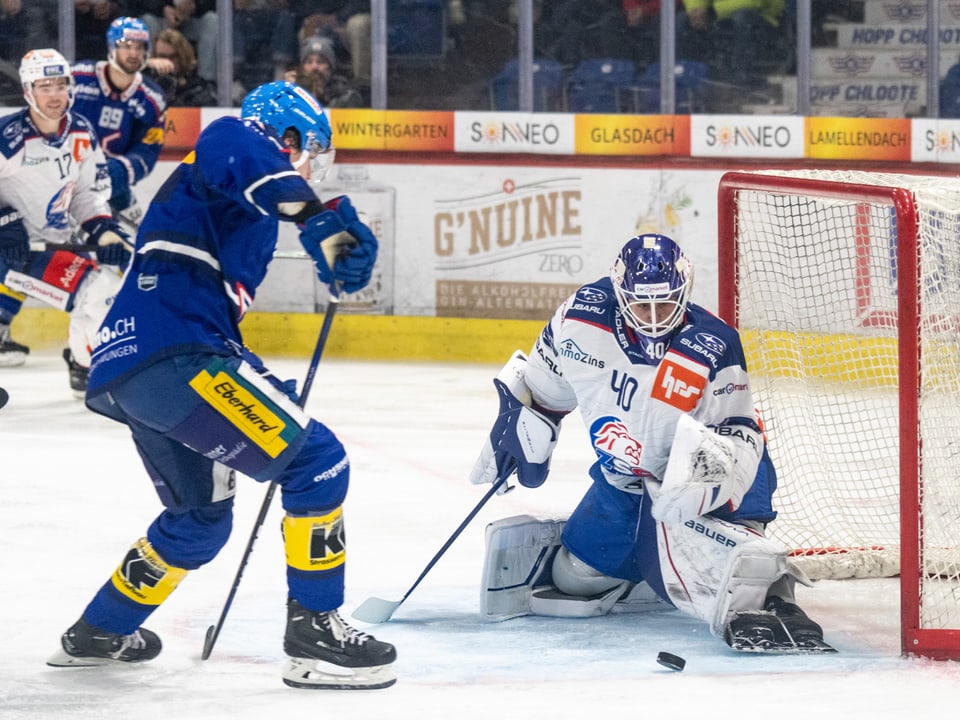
<point x="317" y="74"/>
<point x="264" y="41"/>
<point x="173" y="65"/>
<point x="25" y="24"/>
<point x="571" y="31"/>
<point x="729" y="36"/>
<point x="950" y="93"/>
<point x="640" y="31"/>
<point x="195" y="19"/>
<point x="346" y="23"/>
<point x="92" y="18"/>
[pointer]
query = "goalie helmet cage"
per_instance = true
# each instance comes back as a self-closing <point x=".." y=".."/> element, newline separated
<point x="845" y="286"/>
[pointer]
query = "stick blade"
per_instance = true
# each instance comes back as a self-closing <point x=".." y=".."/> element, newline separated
<point x="208" y="641"/>
<point x="376" y="610"/>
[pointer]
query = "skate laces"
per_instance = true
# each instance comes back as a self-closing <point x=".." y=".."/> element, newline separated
<point x="132" y="641"/>
<point x="342" y="631"/>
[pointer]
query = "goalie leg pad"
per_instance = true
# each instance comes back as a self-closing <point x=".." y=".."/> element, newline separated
<point x="519" y="554"/>
<point x="711" y="568"/>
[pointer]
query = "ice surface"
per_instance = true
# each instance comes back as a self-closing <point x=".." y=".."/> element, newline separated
<point x="74" y="496"/>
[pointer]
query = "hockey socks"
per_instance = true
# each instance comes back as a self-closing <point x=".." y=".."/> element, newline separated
<point x="138" y="586"/>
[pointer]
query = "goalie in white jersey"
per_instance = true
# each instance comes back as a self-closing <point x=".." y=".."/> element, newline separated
<point x="683" y="482"/>
<point x="54" y="183"/>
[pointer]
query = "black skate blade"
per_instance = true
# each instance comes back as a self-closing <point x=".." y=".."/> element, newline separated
<point x="62" y="659"/>
<point x="309" y="674"/>
<point x="810" y="646"/>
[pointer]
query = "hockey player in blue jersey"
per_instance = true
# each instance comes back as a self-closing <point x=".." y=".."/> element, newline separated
<point x="682" y="488"/>
<point x="126" y="108"/>
<point x="172" y="366"/>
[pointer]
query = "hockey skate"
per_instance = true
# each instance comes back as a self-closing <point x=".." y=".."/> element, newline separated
<point x="12" y="353"/>
<point x="86" y="646"/>
<point x="78" y="374"/>
<point x="327" y="654"/>
<point x="781" y="627"/>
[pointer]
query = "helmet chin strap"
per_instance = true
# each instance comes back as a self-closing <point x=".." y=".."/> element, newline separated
<point x="36" y="108"/>
<point x="112" y="62"/>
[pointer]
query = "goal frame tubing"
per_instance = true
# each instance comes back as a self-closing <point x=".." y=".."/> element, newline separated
<point x="914" y="640"/>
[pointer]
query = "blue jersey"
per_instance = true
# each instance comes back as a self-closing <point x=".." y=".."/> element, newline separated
<point x="202" y="250"/>
<point x="129" y="123"/>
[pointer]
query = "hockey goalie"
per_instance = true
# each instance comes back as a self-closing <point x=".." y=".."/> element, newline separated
<point x="682" y="487"/>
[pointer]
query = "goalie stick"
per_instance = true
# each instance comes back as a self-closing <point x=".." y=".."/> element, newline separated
<point x="376" y="610"/>
<point x="213" y="632"/>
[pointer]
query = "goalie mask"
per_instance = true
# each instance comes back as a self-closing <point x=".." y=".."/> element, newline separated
<point x="39" y="70"/>
<point x="298" y="119"/>
<point x="127" y="30"/>
<point x="652" y="279"/>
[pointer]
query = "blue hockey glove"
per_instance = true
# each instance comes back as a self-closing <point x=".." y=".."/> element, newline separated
<point x="113" y="244"/>
<point x="14" y="243"/>
<point x="522" y="440"/>
<point x="119" y="183"/>
<point x="343" y="248"/>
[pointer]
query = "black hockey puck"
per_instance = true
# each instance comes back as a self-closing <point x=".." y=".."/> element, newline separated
<point x="669" y="660"/>
<point x="3" y="397"/>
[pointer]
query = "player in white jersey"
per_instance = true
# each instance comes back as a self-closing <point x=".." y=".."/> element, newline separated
<point x="683" y="481"/>
<point x="54" y="184"/>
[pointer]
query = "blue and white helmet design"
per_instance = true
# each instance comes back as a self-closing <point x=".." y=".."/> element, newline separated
<point x="652" y="279"/>
<point x="127" y="29"/>
<point x="285" y="106"/>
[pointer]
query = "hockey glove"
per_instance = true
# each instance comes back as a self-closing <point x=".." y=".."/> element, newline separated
<point x="700" y="474"/>
<point x="343" y="248"/>
<point x="119" y="183"/>
<point x="14" y="243"/>
<point x="522" y="439"/>
<point x="113" y="244"/>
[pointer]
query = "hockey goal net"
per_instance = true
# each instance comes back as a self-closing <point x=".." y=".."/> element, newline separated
<point x="846" y="289"/>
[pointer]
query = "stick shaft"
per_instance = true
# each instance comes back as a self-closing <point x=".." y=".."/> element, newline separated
<point x="213" y="632"/>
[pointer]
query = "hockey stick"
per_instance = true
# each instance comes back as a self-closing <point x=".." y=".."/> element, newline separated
<point x="93" y="247"/>
<point x="376" y="610"/>
<point x="213" y="632"/>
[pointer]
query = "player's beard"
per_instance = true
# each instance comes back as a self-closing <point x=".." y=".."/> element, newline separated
<point x="131" y="65"/>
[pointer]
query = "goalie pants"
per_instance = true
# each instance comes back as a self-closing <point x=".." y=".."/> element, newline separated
<point x="196" y="421"/>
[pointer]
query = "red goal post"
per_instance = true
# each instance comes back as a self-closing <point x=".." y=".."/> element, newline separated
<point x="845" y="286"/>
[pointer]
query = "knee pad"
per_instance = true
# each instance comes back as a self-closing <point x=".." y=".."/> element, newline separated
<point x="318" y="477"/>
<point x="574" y="577"/>
<point x="194" y="537"/>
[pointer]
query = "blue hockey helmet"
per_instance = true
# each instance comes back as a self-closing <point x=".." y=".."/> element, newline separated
<point x="287" y="107"/>
<point x="127" y="29"/>
<point x="652" y="279"/>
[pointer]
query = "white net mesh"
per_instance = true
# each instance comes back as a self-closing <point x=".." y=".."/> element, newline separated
<point x="817" y="304"/>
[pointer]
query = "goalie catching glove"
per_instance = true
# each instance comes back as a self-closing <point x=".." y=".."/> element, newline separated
<point x="705" y="470"/>
<point x="343" y="248"/>
<point x="522" y="439"/>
